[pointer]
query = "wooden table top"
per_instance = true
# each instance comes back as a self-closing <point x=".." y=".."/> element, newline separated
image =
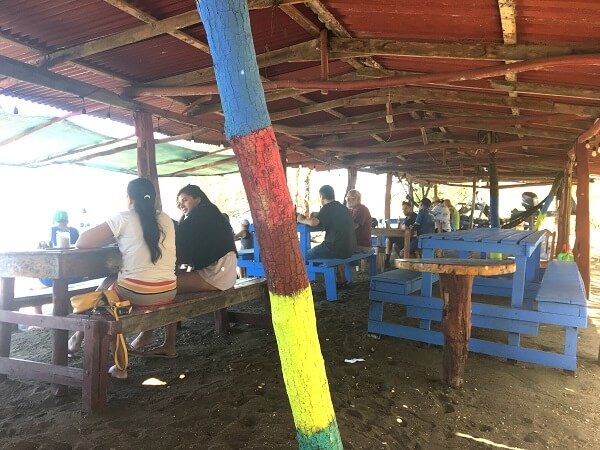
<point x="61" y="263"/>
<point x="387" y="232"/>
<point x="458" y="266"/>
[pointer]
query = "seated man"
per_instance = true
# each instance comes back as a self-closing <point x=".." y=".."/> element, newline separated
<point x="244" y="236"/>
<point x="335" y="219"/>
<point x="424" y="223"/>
<point x="441" y="214"/>
<point x="395" y="245"/>
<point x="362" y="220"/>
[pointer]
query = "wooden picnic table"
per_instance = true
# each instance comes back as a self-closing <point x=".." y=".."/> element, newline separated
<point x="379" y="233"/>
<point x="456" y="282"/>
<point x="60" y="265"/>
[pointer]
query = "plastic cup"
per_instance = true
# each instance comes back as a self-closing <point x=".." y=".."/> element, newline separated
<point x="63" y="239"/>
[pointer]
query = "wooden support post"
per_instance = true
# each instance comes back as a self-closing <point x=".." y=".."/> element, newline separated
<point x="388" y="196"/>
<point x="146" y="151"/>
<point x="352" y="174"/>
<point x="60" y="307"/>
<point x="221" y="322"/>
<point x="323" y="44"/>
<point x="456" y="325"/>
<point x="494" y="192"/>
<point x="581" y="248"/>
<point x="94" y="391"/>
<point x="7" y="295"/>
<point x="473" y="200"/>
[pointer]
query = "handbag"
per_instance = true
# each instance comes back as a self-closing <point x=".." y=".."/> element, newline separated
<point x="105" y="301"/>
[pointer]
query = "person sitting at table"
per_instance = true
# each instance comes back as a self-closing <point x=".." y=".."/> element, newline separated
<point x="205" y="244"/>
<point x="244" y="236"/>
<point x="61" y="224"/>
<point x="146" y="240"/>
<point x="340" y="238"/>
<point x="454" y="215"/>
<point x="441" y="215"/>
<point x="424" y="223"/>
<point x="362" y="221"/>
<point x="395" y="245"/>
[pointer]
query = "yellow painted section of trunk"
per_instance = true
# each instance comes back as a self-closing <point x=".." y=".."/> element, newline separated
<point x="302" y="363"/>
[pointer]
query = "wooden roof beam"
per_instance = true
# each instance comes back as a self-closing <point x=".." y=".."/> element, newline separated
<point x="345" y="47"/>
<point x="153" y="28"/>
<point x="335" y="127"/>
<point x="41" y="77"/>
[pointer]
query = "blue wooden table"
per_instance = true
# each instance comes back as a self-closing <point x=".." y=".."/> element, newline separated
<point x="556" y="303"/>
<point x="524" y="246"/>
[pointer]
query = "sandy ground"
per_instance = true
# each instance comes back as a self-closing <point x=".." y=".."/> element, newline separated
<point x="229" y="394"/>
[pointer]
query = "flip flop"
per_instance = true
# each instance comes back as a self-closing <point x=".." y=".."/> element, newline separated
<point x="156" y="353"/>
<point x="133" y="350"/>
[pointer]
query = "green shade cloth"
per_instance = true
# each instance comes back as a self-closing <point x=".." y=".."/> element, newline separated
<point x="64" y="142"/>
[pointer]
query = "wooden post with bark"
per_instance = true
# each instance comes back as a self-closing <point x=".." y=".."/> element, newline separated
<point x="248" y="128"/>
<point x="581" y="248"/>
<point x="388" y="196"/>
<point x="146" y="150"/>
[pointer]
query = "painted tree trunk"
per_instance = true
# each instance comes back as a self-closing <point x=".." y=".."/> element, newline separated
<point x="456" y="325"/>
<point x="248" y="129"/>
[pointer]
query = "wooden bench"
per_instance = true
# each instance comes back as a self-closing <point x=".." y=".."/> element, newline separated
<point x="43" y="296"/>
<point x="560" y="303"/>
<point x="398" y="281"/>
<point x="328" y="267"/>
<point x="99" y="329"/>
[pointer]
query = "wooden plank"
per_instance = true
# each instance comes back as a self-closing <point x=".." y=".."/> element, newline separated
<point x="562" y="283"/>
<point x="55" y="264"/>
<point x="71" y="323"/>
<point x="31" y="370"/>
<point x="147" y="318"/>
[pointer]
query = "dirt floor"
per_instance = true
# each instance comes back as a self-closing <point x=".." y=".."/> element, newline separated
<point x="229" y="394"/>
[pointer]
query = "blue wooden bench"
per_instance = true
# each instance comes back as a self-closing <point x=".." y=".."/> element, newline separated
<point x="384" y="288"/>
<point x="560" y="303"/>
<point x="328" y="267"/>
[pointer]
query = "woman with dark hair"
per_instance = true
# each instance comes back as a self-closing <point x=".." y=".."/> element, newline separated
<point x="205" y="244"/>
<point x="146" y="240"/>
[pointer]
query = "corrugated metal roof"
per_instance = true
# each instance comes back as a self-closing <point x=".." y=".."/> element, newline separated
<point x="32" y="30"/>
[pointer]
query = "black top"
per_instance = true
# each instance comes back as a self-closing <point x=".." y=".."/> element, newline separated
<point x="203" y="237"/>
<point x="410" y="219"/>
<point x="337" y="222"/>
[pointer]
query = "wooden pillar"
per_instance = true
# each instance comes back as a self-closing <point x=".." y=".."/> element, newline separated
<point x="473" y="200"/>
<point x="352" y="175"/>
<point x="564" y="218"/>
<point x="494" y="192"/>
<point x="146" y="151"/>
<point x="581" y="248"/>
<point x="388" y="196"/>
<point x="435" y="194"/>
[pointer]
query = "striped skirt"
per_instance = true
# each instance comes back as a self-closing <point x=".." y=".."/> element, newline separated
<point x="146" y="293"/>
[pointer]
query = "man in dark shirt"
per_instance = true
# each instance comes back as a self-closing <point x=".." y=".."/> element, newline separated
<point x="395" y="245"/>
<point x="340" y="239"/>
<point x="336" y="220"/>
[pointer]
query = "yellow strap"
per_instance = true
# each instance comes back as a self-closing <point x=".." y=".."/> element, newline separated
<point x="120" y="342"/>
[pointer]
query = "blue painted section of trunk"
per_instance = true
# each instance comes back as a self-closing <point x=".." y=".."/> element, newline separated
<point x="227" y="24"/>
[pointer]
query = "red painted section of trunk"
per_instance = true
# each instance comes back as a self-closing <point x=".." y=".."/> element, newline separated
<point x="272" y="210"/>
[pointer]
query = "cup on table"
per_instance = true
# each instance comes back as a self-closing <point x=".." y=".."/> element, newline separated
<point x="63" y="239"/>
